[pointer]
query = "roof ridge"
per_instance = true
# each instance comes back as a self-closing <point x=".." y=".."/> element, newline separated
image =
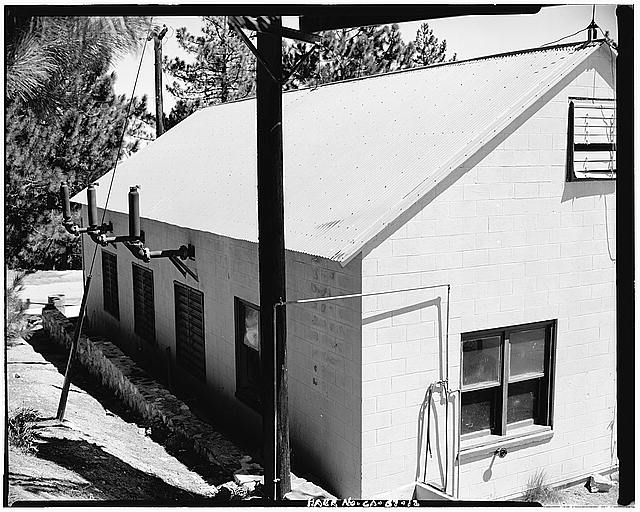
<point x="419" y="68"/>
<point x="451" y="63"/>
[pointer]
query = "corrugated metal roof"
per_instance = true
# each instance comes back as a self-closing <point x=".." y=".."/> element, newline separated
<point x="356" y="153"/>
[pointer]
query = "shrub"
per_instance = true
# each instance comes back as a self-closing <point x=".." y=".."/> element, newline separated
<point x="20" y="428"/>
<point x="539" y="491"/>
<point x="17" y="323"/>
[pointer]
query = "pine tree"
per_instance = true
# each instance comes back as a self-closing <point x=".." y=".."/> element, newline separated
<point x="45" y="54"/>
<point x="428" y="50"/>
<point x="223" y="69"/>
<point x="78" y="146"/>
<point x="63" y="122"/>
<point x="349" y="53"/>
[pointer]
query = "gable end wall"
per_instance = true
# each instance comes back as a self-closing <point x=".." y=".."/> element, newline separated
<point x="517" y="244"/>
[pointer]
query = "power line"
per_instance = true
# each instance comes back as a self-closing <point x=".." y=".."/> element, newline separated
<point x="87" y="285"/>
<point x="566" y="37"/>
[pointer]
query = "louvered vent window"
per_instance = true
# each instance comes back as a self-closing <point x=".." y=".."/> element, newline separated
<point x="592" y="139"/>
<point x="190" y="330"/>
<point x="144" y="315"/>
<point x="110" y="283"/>
<point x="248" y="369"/>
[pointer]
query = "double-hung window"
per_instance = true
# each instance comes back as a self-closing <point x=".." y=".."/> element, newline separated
<point x="507" y="379"/>
<point x="248" y="369"/>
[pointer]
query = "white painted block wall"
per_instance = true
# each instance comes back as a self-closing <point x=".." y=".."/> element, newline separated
<point x="323" y="339"/>
<point x="517" y="244"/>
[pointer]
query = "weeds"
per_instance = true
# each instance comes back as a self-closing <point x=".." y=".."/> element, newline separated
<point x="17" y="322"/>
<point x="20" y="428"/>
<point x="538" y="491"/>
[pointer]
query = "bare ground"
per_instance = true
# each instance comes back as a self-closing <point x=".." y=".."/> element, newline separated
<point x="99" y="452"/>
<point x="579" y="496"/>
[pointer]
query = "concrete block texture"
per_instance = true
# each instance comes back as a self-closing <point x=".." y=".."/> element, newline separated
<point x="324" y="339"/>
<point x="520" y="245"/>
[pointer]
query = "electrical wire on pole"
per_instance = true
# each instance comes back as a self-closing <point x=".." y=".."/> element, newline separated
<point x="62" y="405"/>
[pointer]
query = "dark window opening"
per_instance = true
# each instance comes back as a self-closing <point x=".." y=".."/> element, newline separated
<point x="248" y="366"/>
<point x="591" y="145"/>
<point x="507" y="379"/>
<point x="144" y="315"/>
<point x="110" y="284"/>
<point x="190" y="353"/>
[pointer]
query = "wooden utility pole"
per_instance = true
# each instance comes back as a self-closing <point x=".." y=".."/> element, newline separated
<point x="271" y="262"/>
<point x="157" y="47"/>
<point x="625" y="253"/>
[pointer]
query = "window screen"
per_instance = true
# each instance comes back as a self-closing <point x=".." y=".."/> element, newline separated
<point x="248" y="366"/>
<point x="190" y="352"/>
<point x="110" y="283"/>
<point x="591" y="148"/>
<point x="144" y="314"/>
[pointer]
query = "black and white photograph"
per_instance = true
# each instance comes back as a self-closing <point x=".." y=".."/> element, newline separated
<point x="319" y="255"/>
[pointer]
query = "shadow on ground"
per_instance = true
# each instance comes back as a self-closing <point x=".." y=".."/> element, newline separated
<point x="40" y="486"/>
<point x="107" y="474"/>
<point x="81" y="378"/>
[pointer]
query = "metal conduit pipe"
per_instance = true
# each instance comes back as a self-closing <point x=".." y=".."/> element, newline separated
<point x="133" y="241"/>
<point x="444" y="386"/>
<point x="134" y="212"/>
<point x="459" y="430"/>
<point x="67" y="221"/>
<point x="446" y="359"/>
<point x="446" y="381"/>
<point x="92" y="205"/>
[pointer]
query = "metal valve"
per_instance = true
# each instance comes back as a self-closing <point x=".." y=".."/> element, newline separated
<point x="501" y="452"/>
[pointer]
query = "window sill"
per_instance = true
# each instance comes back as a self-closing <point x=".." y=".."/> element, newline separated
<point x="474" y="449"/>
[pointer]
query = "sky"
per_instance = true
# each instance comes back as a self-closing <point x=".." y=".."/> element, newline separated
<point x="466" y="36"/>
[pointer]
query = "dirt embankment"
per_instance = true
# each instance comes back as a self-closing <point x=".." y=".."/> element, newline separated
<point x="99" y="452"/>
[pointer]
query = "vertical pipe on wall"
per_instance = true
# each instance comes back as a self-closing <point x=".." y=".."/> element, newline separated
<point x="134" y="212"/>
<point x="447" y="394"/>
<point x="92" y="205"/>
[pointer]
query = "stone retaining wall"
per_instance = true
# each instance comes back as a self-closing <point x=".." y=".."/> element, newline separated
<point x="141" y="393"/>
<point x="153" y="402"/>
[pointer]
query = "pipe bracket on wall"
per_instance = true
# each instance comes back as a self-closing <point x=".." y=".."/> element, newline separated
<point x="93" y="230"/>
<point x="134" y="240"/>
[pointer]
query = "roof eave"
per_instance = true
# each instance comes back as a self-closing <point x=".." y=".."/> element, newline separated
<point x="347" y="253"/>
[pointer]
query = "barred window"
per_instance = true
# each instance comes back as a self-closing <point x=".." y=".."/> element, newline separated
<point x="190" y="353"/>
<point x="110" y="283"/>
<point x="591" y="148"/>
<point x="144" y="315"/>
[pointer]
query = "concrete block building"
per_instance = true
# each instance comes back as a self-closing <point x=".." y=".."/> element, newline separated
<point x="469" y="206"/>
